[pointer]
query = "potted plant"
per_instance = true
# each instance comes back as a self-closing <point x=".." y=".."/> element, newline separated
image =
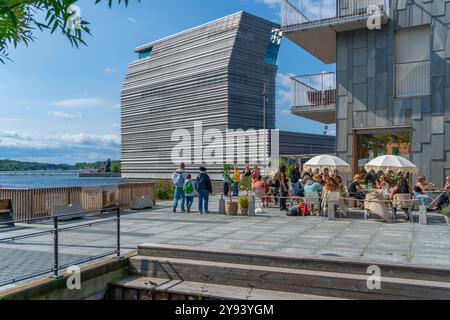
<point x="243" y="202"/>
<point x="446" y="213"/>
<point x="232" y="207"/>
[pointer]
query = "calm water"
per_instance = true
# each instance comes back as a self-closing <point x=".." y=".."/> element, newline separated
<point x="37" y="179"/>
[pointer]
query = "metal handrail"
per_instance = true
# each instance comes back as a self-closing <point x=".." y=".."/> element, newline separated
<point x="301" y="12"/>
<point x="56" y="230"/>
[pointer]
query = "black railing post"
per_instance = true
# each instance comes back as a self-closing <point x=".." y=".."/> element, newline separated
<point x="118" y="233"/>
<point x="55" y="247"/>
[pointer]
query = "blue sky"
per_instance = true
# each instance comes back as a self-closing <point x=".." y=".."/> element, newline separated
<point x="62" y="105"/>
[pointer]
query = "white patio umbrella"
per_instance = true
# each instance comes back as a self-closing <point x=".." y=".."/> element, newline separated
<point x="328" y="162"/>
<point x="395" y="163"/>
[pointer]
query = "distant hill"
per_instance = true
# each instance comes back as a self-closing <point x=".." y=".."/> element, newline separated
<point x="13" y="165"/>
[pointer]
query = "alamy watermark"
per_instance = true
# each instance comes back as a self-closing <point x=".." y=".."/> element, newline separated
<point x="374" y="279"/>
<point x="374" y="20"/>
<point x="214" y="146"/>
<point x="74" y="280"/>
<point x="74" y="20"/>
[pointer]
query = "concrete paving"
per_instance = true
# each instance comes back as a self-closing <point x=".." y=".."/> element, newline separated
<point x="272" y="231"/>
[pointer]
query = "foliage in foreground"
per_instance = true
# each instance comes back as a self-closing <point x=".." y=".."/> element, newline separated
<point x="19" y="19"/>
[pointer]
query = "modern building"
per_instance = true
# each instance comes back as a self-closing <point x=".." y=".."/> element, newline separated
<point x="221" y="73"/>
<point x="390" y="93"/>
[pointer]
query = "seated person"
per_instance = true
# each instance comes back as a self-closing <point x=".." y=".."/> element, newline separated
<point x="354" y="189"/>
<point x="332" y="186"/>
<point x="419" y="191"/>
<point x="312" y="186"/>
<point x="298" y="189"/>
<point x="445" y="197"/>
<point x="402" y="187"/>
<point x="382" y="184"/>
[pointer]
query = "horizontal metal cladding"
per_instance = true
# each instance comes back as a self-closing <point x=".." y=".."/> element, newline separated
<point x="294" y="143"/>
<point x="250" y="77"/>
<point x="214" y="73"/>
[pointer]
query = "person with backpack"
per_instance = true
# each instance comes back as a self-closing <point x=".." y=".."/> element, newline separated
<point x="204" y="188"/>
<point x="178" y="179"/>
<point x="189" y="192"/>
<point x="295" y="175"/>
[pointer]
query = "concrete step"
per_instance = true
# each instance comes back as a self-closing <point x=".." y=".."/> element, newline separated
<point x="294" y="280"/>
<point x="147" y="288"/>
<point x="330" y="264"/>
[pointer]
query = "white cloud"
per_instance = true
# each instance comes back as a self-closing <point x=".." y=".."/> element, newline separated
<point x="82" y="102"/>
<point x="132" y="20"/>
<point x="284" y="97"/>
<point x="284" y="80"/>
<point x="64" y="115"/>
<point x="270" y="3"/>
<point x="110" y="71"/>
<point x="116" y="125"/>
<point x="116" y="106"/>
<point x="81" y="140"/>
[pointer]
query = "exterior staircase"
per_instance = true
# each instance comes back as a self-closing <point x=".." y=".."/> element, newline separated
<point x="161" y="272"/>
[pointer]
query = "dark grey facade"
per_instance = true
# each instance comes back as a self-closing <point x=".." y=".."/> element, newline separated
<point x="369" y="73"/>
<point x="217" y="73"/>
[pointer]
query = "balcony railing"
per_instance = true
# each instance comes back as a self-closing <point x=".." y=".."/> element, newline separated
<point x="312" y="91"/>
<point x="298" y="12"/>
<point x="413" y="79"/>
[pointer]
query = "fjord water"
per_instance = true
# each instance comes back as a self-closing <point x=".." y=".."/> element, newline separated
<point x="51" y="179"/>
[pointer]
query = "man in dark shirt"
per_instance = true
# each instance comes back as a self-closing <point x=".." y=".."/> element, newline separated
<point x="295" y="175"/>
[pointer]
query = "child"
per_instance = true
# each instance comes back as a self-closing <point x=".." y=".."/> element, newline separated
<point x="189" y="191"/>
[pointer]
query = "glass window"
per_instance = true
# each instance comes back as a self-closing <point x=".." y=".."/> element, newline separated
<point x="412" y="57"/>
<point x="273" y="47"/>
<point x="370" y="145"/>
<point x="146" y="53"/>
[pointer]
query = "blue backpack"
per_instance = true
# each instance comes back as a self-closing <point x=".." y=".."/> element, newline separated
<point x="178" y="179"/>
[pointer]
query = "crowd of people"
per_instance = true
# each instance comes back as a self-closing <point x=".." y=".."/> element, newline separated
<point x="280" y="186"/>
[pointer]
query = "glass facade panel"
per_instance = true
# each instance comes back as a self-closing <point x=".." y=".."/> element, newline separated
<point x="146" y="53"/>
<point x="274" y="47"/>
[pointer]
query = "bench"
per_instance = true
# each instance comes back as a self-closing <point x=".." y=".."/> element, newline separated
<point x="6" y="213"/>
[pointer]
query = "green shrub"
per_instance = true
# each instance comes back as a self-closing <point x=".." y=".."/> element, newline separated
<point x="246" y="184"/>
<point x="164" y="190"/>
<point x="446" y="210"/>
<point x="243" y="202"/>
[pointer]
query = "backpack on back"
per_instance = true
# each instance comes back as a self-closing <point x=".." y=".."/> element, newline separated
<point x="178" y="179"/>
<point x="188" y="189"/>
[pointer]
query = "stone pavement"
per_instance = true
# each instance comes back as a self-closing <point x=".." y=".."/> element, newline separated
<point x="272" y="231"/>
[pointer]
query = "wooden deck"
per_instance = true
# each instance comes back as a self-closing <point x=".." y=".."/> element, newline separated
<point x="39" y="203"/>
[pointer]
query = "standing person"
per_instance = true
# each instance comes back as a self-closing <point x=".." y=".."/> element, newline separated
<point x="295" y="175"/>
<point x="259" y="187"/>
<point x="237" y="180"/>
<point x="178" y="179"/>
<point x="284" y="188"/>
<point x="255" y="174"/>
<point x="189" y="192"/>
<point x="204" y="188"/>
<point x="226" y="184"/>
<point x="274" y="187"/>
<point x="247" y="172"/>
